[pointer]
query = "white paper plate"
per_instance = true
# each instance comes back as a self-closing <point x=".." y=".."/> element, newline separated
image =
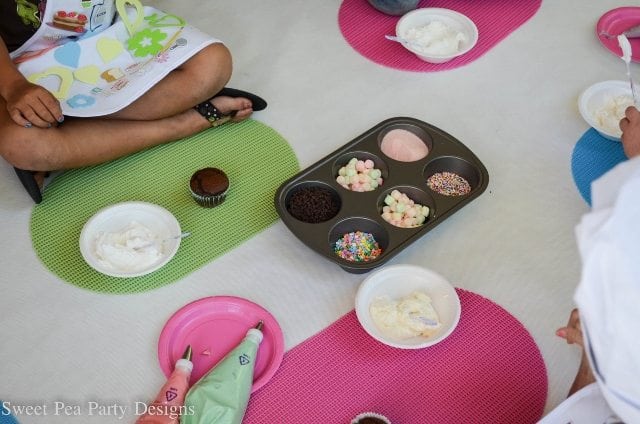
<point x="399" y="281"/>
<point x="116" y="218"/>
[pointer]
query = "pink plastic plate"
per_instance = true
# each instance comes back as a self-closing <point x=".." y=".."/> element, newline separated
<point x="215" y="325"/>
<point x="614" y="23"/>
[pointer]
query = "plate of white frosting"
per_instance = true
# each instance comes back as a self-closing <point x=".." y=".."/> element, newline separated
<point x="602" y="106"/>
<point x="407" y="306"/>
<point x="130" y="239"/>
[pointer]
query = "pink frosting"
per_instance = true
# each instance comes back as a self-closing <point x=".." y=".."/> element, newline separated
<point x="403" y="146"/>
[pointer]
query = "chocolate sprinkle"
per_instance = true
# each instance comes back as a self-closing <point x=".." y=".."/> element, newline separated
<point x="313" y="204"/>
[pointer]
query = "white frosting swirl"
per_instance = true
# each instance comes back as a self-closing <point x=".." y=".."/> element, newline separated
<point x="133" y="249"/>
<point x="408" y="317"/>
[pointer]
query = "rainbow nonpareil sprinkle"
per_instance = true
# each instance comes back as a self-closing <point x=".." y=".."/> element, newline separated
<point x="357" y="247"/>
<point x="448" y="184"/>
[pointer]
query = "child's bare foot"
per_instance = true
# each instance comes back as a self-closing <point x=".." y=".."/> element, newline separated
<point x="227" y="105"/>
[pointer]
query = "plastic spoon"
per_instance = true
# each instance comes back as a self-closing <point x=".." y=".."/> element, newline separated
<point x="403" y="41"/>
<point x="179" y="236"/>
<point x="623" y="41"/>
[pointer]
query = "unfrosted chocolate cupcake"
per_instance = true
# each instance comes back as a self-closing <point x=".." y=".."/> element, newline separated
<point x="209" y="187"/>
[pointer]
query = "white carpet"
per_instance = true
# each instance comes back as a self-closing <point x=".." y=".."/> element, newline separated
<point x="515" y="108"/>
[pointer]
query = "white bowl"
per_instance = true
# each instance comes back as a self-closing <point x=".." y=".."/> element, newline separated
<point x="115" y="218"/>
<point x="398" y="281"/>
<point x="597" y="97"/>
<point x="454" y="20"/>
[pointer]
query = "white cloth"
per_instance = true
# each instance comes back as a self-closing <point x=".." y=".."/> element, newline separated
<point x="586" y="406"/>
<point x="608" y="296"/>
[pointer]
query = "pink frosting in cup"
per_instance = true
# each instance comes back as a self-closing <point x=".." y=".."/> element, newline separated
<point x="403" y="146"/>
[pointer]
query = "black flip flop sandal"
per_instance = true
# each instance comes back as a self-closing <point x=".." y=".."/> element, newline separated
<point x="215" y="117"/>
<point x="212" y="114"/>
<point x="30" y="184"/>
<point x="257" y="102"/>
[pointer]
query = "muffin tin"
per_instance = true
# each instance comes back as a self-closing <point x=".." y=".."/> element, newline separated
<point x="361" y="211"/>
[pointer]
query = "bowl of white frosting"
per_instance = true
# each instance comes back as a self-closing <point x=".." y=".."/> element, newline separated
<point x="437" y="35"/>
<point x="407" y="306"/>
<point x="602" y="106"/>
<point x="130" y="239"/>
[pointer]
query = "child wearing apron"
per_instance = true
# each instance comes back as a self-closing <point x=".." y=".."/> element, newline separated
<point x="95" y="65"/>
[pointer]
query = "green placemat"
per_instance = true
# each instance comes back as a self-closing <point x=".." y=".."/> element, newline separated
<point x="254" y="156"/>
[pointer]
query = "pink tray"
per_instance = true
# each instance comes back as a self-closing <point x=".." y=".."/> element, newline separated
<point x="488" y="371"/>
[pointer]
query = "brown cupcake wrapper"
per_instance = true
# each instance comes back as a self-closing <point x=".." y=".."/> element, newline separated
<point x="209" y="201"/>
<point x="359" y="417"/>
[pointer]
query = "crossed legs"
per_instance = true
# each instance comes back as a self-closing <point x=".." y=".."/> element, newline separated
<point x="165" y="113"/>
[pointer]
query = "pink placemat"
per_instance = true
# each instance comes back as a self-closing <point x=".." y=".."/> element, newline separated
<point x="364" y="29"/>
<point x="488" y="371"/>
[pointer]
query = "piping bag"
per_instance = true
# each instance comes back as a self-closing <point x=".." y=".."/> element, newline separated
<point x="169" y="403"/>
<point x="222" y="395"/>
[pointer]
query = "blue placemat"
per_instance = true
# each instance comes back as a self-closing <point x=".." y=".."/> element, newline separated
<point x="5" y="416"/>
<point x="593" y="156"/>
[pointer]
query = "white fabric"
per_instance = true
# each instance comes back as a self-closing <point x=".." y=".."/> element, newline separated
<point x="608" y="295"/>
<point x="514" y="244"/>
<point x="586" y="406"/>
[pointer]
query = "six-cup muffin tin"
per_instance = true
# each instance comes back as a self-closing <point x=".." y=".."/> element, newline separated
<point x="361" y="211"/>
